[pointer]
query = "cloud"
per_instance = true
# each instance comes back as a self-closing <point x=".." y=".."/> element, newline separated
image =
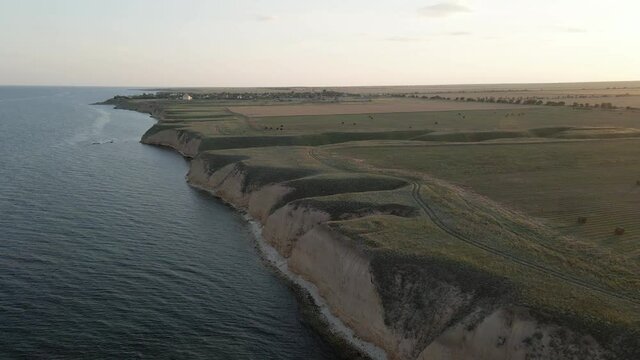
<point x="266" y="18"/>
<point x="443" y="9"/>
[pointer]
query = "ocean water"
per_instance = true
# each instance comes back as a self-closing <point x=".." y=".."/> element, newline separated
<point x="107" y="253"/>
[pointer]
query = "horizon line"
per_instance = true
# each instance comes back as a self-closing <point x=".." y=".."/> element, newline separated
<point x="161" y="87"/>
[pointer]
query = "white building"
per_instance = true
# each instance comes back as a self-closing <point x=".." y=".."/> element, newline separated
<point x="187" y="97"/>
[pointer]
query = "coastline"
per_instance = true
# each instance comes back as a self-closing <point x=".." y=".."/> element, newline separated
<point x="313" y="308"/>
<point x="435" y="313"/>
<point x="333" y="330"/>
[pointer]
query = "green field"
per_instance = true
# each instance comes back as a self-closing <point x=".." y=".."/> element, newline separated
<point x="559" y="274"/>
<point x="212" y="119"/>
<point x="555" y="181"/>
<point x="477" y="120"/>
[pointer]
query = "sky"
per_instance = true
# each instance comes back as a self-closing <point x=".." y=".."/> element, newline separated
<point x="319" y="43"/>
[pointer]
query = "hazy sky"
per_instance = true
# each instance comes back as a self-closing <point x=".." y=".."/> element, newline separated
<point x="329" y="42"/>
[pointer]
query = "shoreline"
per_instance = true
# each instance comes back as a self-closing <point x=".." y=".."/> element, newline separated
<point x="313" y="307"/>
<point x="304" y="288"/>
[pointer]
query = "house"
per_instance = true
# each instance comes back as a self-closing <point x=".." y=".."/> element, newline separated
<point x="187" y="97"/>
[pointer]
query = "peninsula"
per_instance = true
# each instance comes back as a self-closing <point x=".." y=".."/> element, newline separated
<point x="453" y="222"/>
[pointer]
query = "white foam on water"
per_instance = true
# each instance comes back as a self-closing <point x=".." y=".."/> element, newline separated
<point x="94" y="133"/>
<point x="101" y="121"/>
<point x="335" y="324"/>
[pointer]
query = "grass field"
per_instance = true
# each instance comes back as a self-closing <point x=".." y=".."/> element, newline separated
<point x="564" y="275"/>
<point x="375" y="107"/>
<point x="456" y="120"/>
<point x="213" y="117"/>
<point x="558" y="181"/>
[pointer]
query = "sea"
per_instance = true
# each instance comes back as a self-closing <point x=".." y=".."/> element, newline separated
<point x="107" y="253"/>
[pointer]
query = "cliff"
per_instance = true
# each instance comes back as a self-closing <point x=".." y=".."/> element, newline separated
<point x="426" y="309"/>
<point x="411" y="264"/>
<point x="181" y="141"/>
<point x="411" y="312"/>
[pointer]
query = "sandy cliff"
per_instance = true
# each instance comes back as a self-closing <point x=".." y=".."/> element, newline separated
<point x="411" y="313"/>
<point x="411" y="310"/>
<point x="181" y="141"/>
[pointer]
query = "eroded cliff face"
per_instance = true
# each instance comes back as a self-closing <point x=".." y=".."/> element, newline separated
<point x="512" y="333"/>
<point x="183" y="142"/>
<point x="410" y="309"/>
<point x="341" y="271"/>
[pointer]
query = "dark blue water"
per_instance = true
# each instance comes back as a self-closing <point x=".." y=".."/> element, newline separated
<point x="105" y="252"/>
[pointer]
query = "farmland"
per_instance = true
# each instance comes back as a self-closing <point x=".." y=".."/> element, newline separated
<point x="622" y="94"/>
<point x="376" y="107"/>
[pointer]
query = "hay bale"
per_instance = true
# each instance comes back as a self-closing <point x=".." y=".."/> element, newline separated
<point x="582" y="220"/>
<point x="619" y="231"/>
